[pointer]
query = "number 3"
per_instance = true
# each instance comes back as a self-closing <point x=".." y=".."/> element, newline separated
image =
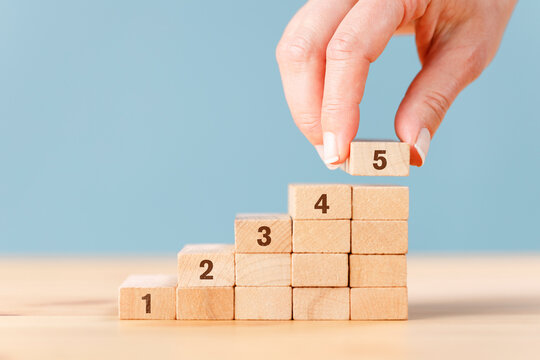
<point x="265" y="230"/>
<point x="377" y="156"/>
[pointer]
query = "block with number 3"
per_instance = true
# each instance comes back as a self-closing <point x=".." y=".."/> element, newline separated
<point x="262" y="233"/>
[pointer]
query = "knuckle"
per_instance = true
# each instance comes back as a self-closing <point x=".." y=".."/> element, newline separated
<point x="308" y="123"/>
<point x="341" y="47"/>
<point x="297" y="49"/>
<point x="438" y="103"/>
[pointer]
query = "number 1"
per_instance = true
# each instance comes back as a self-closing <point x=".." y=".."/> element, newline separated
<point x="148" y="299"/>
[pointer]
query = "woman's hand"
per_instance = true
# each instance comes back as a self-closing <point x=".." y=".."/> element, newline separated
<point x="325" y="53"/>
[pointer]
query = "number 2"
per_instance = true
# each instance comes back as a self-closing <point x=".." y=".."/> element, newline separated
<point x="322" y="204"/>
<point x="378" y="156"/>
<point x="209" y="266"/>
<point x="265" y="230"/>
<point x="148" y="299"/>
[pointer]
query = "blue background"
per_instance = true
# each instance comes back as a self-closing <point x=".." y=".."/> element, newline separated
<point x="136" y="126"/>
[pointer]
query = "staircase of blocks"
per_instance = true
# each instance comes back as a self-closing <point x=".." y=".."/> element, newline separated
<point x="339" y="254"/>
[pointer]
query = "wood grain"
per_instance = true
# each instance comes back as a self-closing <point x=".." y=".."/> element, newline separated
<point x="380" y="202"/>
<point x="320" y="270"/>
<point x="263" y="303"/>
<point x="378" y="270"/>
<point x="322" y="236"/>
<point x="321" y="303"/>
<point x="379" y="237"/>
<point x="379" y="303"/>
<point x="206" y="303"/>
<point x="263" y="269"/>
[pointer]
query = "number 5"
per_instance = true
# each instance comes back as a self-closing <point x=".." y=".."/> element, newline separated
<point x="378" y="156"/>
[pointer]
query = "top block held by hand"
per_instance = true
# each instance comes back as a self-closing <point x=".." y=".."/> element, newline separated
<point x="378" y="158"/>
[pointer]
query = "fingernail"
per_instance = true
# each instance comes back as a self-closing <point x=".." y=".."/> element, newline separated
<point x="320" y="151"/>
<point x="331" y="153"/>
<point x="422" y="144"/>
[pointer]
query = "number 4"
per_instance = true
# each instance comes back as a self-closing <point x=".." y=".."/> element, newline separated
<point x="322" y="204"/>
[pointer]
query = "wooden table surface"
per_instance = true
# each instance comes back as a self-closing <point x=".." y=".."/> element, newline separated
<point x="459" y="306"/>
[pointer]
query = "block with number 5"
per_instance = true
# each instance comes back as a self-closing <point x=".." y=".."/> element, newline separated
<point x="206" y="265"/>
<point x="320" y="201"/>
<point x="378" y="158"/>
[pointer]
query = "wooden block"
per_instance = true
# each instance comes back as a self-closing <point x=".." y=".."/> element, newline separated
<point x="379" y="236"/>
<point x="380" y="202"/>
<point x="263" y="233"/>
<point x="319" y="201"/>
<point x="263" y="269"/>
<point x="206" y="265"/>
<point x="205" y="303"/>
<point x="321" y="303"/>
<point x="263" y="303"/>
<point x="322" y="236"/>
<point x="320" y="270"/>
<point x="378" y="158"/>
<point x="379" y="303"/>
<point x="149" y="297"/>
<point x="378" y="270"/>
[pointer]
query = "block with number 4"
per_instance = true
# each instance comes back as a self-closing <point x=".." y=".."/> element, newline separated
<point x="151" y="297"/>
<point x="206" y="265"/>
<point x="319" y="201"/>
<point x="378" y="158"/>
<point x="262" y="233"/>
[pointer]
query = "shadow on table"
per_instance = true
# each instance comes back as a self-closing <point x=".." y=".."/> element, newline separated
<point x="469" y="307"/>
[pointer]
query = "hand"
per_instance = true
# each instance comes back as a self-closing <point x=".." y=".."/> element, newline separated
<point x="325" y="53"/>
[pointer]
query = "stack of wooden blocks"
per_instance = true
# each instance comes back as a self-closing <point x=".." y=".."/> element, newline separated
<point x="339" y="254"/>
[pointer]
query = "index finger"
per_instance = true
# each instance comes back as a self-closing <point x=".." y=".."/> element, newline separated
<point x="358" y="41"/>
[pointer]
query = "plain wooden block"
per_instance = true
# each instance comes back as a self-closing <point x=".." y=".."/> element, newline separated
<point x="319" y="201"/>
<point x="147" y="297"/>
<point x="322" y="236"/>
<point x="205" y="303"/>
<point x="378" y="158"/>
<point x="380" y="202"/>
<point x="321" y="303"/>
<point x="378" y="270"/>
<point x="206" y="265"/>
<point x="263" y="269"/>
<point x="379" y="303"/>
<point x="320" y="270"/>
<point x="263" y="233"/>
<point x="379" y="236"/>
<point x="263" y="303"/>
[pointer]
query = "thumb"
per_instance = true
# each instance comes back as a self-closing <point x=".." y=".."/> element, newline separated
<point x="445" y="72"/>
